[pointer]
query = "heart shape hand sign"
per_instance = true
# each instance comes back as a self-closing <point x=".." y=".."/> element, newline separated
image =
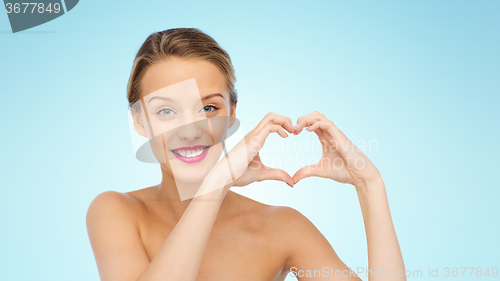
<point x="188" y="144"/>
<point x="341" y="160"/>
<point x="169" y="143"/>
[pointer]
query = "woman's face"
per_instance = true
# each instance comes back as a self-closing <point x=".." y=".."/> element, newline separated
<point x="185" y="118"/>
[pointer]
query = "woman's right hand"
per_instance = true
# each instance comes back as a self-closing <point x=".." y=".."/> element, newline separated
<point x="244" y="158"/>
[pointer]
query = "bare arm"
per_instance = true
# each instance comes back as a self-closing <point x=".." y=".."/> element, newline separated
<point x="115" y="239"/>
<point x="384" y="252"/>
<point x="180" y="256"/>
<point x="345" y="163"/>
<point x="311" y="256"/>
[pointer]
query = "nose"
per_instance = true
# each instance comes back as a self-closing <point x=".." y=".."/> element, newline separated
<point x="191" y="130"/>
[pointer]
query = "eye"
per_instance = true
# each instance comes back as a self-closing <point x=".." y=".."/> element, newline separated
<point x="165" y="112"/>
<point x="209" y="108"/>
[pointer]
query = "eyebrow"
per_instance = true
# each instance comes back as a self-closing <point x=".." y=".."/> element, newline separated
<point x="213" y="95"/>
<point x="204" y="98"/>
<point x="161" y="98"/>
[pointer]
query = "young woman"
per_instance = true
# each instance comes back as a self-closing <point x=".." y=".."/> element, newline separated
<point x="151" y="234"/>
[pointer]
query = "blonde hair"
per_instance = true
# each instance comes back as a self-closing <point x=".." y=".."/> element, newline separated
<point x="183" y="43"/>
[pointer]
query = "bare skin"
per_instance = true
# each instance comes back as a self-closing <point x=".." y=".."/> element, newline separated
<point x="149" y="234"/>
<point x="246" y="243"/>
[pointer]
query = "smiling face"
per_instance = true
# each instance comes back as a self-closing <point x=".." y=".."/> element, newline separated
<point x="187" y="105"/>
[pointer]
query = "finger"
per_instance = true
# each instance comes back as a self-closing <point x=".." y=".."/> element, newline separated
<point x="256" y="142"/>
<point x="308" y="121"/>
<point x="256" y="163"/>
<point x="253" y="144"/>
<point x="336" y="138"/>
<point x="277" y="119"/>
<point x="324" y="139"/>
<point x="272" y="128"/>
<point x="306" y="171"/>
<point x="324" y="135"/>
<point x="323" y="125"/>
<point x="246" y="150"/>
<point x="281" y="132"/>
<point x="283" y="121"/>
<point x="307" y="116"/>
<point x="276" y="174"/>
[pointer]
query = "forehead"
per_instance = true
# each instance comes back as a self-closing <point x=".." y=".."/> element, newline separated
<point x="174" y="70"/>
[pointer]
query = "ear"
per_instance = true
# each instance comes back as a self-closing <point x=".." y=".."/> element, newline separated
<point x="233" y="114"/>
<point x="139" y="123"/>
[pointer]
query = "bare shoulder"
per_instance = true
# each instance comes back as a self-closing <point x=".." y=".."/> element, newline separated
<point x="285" y="230"/>
<point x="291" y="224"/>
<point x="114" y="236"/>
<point x="113" y="204"/>
<point x="281" y="220"/>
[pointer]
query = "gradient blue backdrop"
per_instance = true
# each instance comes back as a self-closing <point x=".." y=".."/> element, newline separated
<point x="420" y="79"/>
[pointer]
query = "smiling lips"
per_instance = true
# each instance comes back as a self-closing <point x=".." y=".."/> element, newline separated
<point x="191" y="154"/>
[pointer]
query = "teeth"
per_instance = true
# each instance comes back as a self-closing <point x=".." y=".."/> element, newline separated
<point x="190" y="152"/>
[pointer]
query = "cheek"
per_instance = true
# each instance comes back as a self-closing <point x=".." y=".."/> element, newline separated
<point x="219" y="125"/>
<point x="157" y="146"/>
<point x="165" y="127"/>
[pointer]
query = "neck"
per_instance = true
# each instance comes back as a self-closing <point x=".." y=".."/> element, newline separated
<point x="167" y="197"/>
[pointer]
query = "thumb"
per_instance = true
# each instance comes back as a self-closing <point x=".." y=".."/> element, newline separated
<point x="276" y="174"/>
<point x="306" y="171"/>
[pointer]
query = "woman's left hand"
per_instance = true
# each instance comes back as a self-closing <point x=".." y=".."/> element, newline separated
<point x="341" y="160"/>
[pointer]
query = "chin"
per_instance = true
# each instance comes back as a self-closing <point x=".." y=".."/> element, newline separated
<point x="193" y="172"/>
<point x="190" y="176"/>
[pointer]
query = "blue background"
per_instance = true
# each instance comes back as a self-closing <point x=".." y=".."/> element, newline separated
<point x="418" y="78"/>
